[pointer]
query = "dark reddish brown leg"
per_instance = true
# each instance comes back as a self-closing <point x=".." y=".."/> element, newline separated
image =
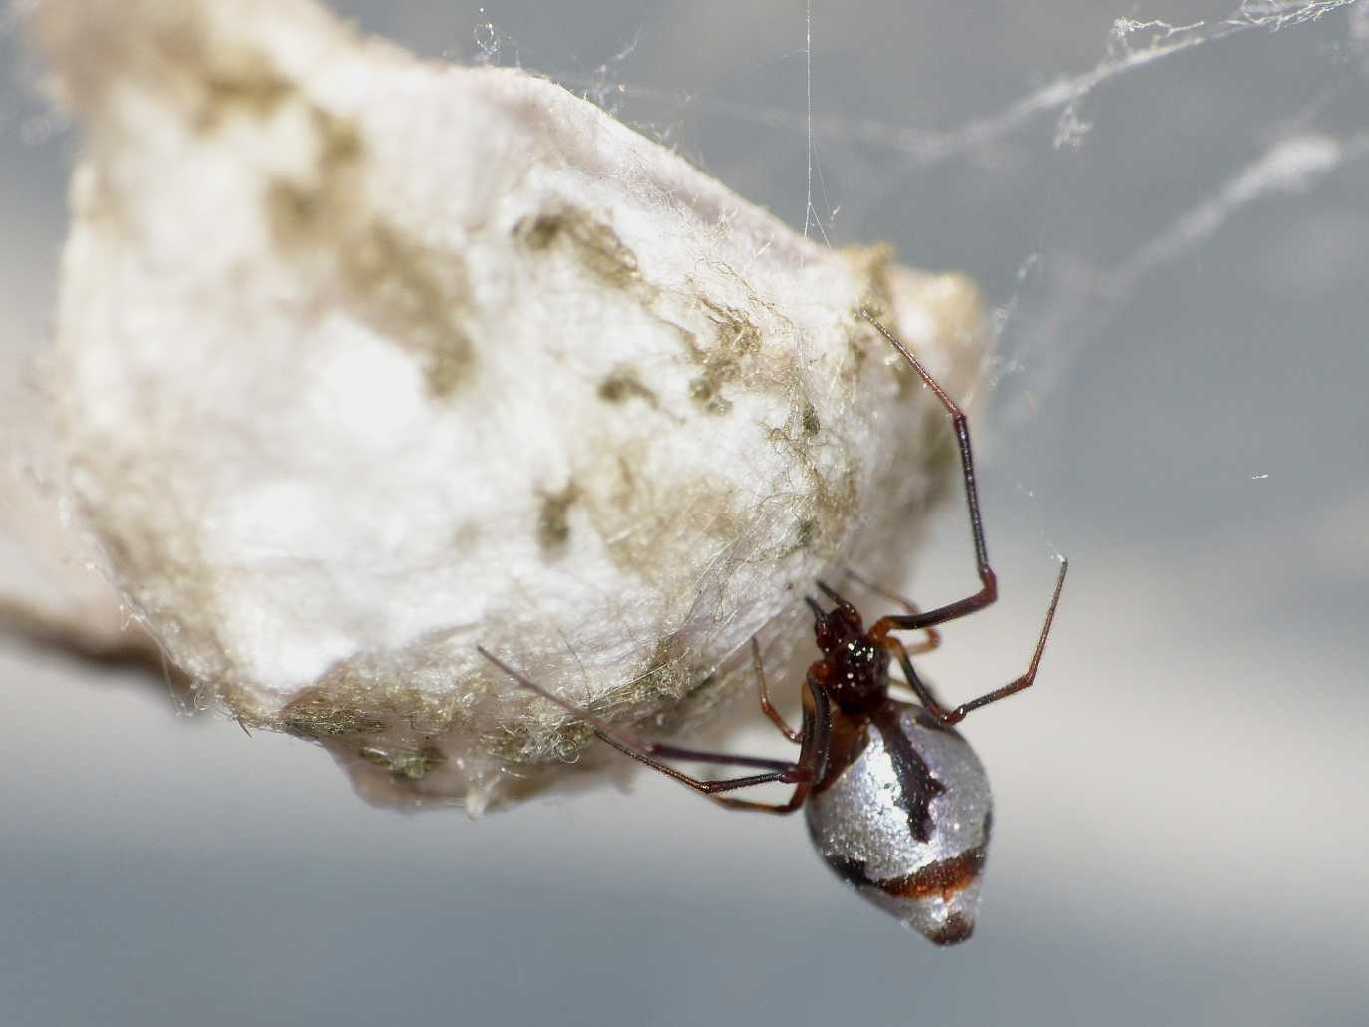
<point x="775" y="717"/>
<point x="988" y="591"/>
<point x="929" y="699"/>
<point x="955" y="716"/>
<point x="646" y="753"/>
<point x="817" y="742"/>
<point x="933" y="639"/>
<point x="796" y="800"/>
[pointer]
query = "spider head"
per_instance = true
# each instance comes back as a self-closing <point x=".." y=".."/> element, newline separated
<point x="836" y="629"/>
<point x="854" y="668"/>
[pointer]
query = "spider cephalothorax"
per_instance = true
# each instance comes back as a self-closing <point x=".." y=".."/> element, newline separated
<point x="854" y="667"/>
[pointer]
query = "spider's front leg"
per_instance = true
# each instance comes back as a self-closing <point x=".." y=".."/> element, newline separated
<point x="955" y="716"/>
<point x="988" y="591"/>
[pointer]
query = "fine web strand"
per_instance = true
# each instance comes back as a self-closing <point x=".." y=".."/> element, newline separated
<point x="924" y="147"/>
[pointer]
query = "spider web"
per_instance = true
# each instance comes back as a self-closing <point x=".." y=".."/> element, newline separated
<point x="1063" y="299"/>
<point x="1300" y="156"/>
<point x="803" y="114"/>
<point x="1221" y="124"/>
<point x="787" y="124"/>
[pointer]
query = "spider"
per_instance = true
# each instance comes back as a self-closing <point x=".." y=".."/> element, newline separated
<point x="897" y="803"/>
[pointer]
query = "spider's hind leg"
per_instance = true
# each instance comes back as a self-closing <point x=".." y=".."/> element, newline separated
<point x="650" y="754"/>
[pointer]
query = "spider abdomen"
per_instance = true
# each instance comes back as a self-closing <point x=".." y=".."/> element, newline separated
<point x="904" y="814"/>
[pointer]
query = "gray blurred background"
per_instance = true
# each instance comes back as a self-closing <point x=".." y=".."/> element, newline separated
<point x="1179" y="404"/>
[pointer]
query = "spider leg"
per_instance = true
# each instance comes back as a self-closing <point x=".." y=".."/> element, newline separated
<point x="955" y="716"/>
<point x="775" y="716"/>
<point x="813" y="757"/>
<point x="793" y="774"/>
<point x="796" y="800"/>
<point x="646" y="753"/>
<point x="933" y="639"/>
<point x="797" y="775"/>
<point x="920" y="688"/>
<point x="988" y="590"/>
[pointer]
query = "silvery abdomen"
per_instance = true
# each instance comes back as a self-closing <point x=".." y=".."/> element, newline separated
<point x="903" y="814"/>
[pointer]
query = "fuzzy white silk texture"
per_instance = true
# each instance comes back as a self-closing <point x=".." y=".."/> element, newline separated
<point x="363" y="361"/>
